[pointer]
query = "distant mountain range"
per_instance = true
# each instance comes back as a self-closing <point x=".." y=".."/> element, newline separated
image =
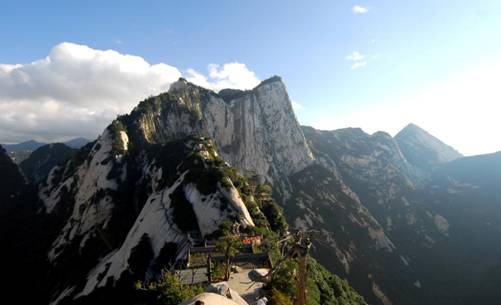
<point x="31" y="145"/>
<point x="21" y="151"/>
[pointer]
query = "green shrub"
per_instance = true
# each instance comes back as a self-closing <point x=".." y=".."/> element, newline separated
<point x="275" y="216"/>
<point x="279" y="298"/>
<point x="170" y="291"/>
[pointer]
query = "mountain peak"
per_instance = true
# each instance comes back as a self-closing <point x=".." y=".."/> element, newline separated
<point x="422" y="149"/>
<point x="245" y="125"/>
<point x="274" y="78"/>
<point x="411" y="127"/>
<point x="180" y="84"/>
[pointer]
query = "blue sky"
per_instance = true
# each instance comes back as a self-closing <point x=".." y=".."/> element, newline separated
<point x="412" y="59"/>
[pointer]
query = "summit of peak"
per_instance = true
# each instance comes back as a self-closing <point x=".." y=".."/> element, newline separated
<point x="411" y="127"/>
<point x="422" y="148"/>
<point x="180" y="84"/>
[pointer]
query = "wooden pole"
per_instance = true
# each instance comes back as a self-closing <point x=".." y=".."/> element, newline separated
<point x="209" y="269"/>
<point x="301" y="250"/>
<point x="301" y="282"/>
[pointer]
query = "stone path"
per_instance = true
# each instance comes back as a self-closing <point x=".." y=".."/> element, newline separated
<point x="247" y="286"/>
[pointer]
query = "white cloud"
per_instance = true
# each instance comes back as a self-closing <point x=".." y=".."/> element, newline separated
<point x="358" y="65"/>
<point x="355" y="56"/>
<point x="358" y="9"/>
<point x="357" y="59"/>
<point x="231" y="75"/>
<point x="77" y="90"/>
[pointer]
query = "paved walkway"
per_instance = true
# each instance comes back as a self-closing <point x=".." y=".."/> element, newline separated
<point x="246" y="286"/>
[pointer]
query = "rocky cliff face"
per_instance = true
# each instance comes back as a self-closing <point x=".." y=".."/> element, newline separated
<point x="120" y="196"/>
<point x="377" y="171"/>
<point x="421" y="193"/>
<point x="350" y="240"/>
<point x="373" y="168"/>
<point x="256" y="130"/>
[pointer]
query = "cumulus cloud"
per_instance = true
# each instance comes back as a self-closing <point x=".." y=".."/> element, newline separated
<point x="77" y="90"/>
<point x="357" y="59"/>
<point x="231" y="75"/>
<point x="358" y="9"/>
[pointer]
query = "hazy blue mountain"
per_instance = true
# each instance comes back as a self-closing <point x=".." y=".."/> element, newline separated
<point x="29" y="145"/>
<point x="466" y="193"/>
<point x="422" y="149"/>
<point x="21" y="151"/>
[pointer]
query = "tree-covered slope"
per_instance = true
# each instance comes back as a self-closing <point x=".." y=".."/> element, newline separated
<point x="38" y="165"/>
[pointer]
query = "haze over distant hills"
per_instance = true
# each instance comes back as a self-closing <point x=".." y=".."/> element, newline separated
<point x="20" y="151"/>
<point x="31" y="145"/>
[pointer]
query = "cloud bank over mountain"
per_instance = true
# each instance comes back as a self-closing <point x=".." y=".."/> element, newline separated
<point x="76" y="90"/>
